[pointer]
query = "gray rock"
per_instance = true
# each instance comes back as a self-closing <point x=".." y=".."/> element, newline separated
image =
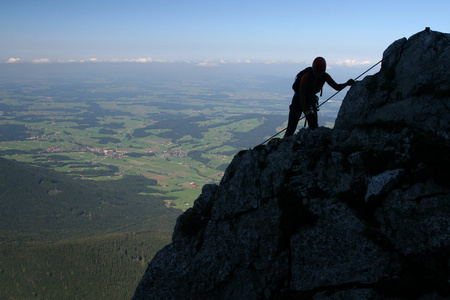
<point x="414" y="70"/>
<point x="382" y="183"/>
<point x="346" y="255"/>
<point x="361" y="211"/>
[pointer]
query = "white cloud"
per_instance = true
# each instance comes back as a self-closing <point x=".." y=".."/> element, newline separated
<point x="41" y="61"/>
<point x="66" y="61"/>
<point x="353" y="63"/>
<point x="89" y="60"/>
<point x="12" y="60"/>
<point x="142" y="60"/>
<point x="200" y="63"/>
<point x="271" y="62"/>
<point x="244" y="61"/>
<point x="207" y="64"/>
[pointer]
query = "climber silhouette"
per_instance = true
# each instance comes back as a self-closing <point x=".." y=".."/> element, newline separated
<point x="308" y="83"/>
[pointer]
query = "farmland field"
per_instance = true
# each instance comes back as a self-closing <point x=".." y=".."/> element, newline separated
<point x="181" y="132"/>
<point x="97" y="161"/>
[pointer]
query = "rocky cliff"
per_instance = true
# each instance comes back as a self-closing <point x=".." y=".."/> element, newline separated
<point x="361" y="211"/>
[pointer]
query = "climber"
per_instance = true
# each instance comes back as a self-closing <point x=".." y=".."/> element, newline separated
<point x="307" y="84"/>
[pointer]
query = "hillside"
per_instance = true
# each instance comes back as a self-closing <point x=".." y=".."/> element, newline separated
<point x="41" y="204"/>
<point x="361" y="211"/>
<point x="99" y="267"/>
<point x="66" y="238"/>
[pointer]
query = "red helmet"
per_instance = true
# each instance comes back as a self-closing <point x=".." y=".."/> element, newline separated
<point x="319" y="65"/>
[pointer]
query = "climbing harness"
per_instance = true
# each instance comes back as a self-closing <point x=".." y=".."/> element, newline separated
<point x="427" y="29"/>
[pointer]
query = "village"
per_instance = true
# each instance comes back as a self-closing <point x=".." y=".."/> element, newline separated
<point x="173" y="153"/>
<point x="115" y="154"/>
<point x="108" y="153"/>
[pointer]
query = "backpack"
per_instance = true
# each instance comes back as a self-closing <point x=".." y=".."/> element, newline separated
<point x="298" y="79"/>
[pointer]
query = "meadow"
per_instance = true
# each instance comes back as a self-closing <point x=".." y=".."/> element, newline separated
<point x="183" y="135"/>
<point x="97" y="162"/>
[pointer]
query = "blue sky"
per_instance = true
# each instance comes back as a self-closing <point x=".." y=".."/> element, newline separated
<point x="210" y="30"/>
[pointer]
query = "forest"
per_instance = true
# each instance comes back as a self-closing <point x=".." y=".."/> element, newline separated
<point x="67" y="238"/>
<point x="97" y="164"/>
<point x="100" y="267"/>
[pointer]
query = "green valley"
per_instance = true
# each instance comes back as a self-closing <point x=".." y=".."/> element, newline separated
<point x="97" y="161"/>
<point x="181" y="136"/>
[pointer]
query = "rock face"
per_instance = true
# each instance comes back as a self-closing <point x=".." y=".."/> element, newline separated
<point x="414" y="70"/>
<point x="361" y="211"/>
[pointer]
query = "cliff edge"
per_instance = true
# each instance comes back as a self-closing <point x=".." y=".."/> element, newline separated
<point x="361" y="211"/>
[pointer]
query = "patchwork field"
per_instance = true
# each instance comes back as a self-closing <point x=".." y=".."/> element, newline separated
<point x="183" y="135"/>
<point x="97" y="162"/>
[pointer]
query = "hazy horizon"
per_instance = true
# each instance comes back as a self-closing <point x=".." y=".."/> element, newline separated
<point x="256" y="68"/>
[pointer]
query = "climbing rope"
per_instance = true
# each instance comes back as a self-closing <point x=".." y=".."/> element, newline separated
<point x="427" y="29"/>
<point x="321" y="103"/>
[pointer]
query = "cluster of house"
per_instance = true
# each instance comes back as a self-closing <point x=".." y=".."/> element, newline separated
<point x="116" y="154"/>
<point x="55" y="149"/>
<point x="173" y="153"/>
<point x="109" y="153"/>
